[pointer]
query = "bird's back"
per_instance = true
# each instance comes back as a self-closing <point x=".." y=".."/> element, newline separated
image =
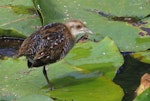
<point x="47" y="45"/>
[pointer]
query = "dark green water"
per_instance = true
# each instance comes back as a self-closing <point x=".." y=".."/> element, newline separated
<point x="130" y="75"/>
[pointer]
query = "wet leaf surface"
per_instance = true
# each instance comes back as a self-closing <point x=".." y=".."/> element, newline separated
<point x="18" y="16"/>
<point x="142" y="56"/>
<point x="66" y="74"/>
<point x="17" y="20"/>
<point x="97" y="56"/>
<point x="121" y="32"/>
<point x="35" y="98"/>
<point x="88" y="90"/>
<point x="129" y="27"/>
<point x="144" y="96"/>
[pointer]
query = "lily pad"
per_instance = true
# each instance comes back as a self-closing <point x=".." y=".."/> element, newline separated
<point x="124" y="34"/>
<point x="17" y="20"/>
<point x="89" y="90"/>
<point x="18" y="16"/>
<point x="35" y="98"/>
<point x="96" y="56"/>
<point x="144" y="96"/>
<point x="142" y="56"/>
<point x="19" y="81"/>
<point x="11" y="33"/>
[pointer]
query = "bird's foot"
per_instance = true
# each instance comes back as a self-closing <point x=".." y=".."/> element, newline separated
<point x="50" y="86"/>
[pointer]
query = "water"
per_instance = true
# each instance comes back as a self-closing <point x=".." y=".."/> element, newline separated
<point x="129" y="76"/>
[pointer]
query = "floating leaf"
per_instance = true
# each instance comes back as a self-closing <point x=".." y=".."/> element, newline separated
<point x="18" y="19"/>
<point x="142" y="56"/>
<point x="96" y="56"/>
<point x="100" y="89"/>
<point x="11" y="33"/>
<point x="66" y="74"/>
<point x="144" y="96"/>
<point x="35" y="98"/>
<point x="126" y="35"/>
<point x="18" y="16"/>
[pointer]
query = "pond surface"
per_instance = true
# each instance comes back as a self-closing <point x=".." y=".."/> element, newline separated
<point x="9" y="46"/>
<point x="130" y="75"/>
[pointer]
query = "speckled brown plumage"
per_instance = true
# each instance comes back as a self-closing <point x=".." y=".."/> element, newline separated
<point x="47" y="45"/>
<point x="51" y="43"/>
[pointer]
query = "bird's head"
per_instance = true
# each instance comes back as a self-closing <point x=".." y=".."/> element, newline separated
<point x="77" y="27"/>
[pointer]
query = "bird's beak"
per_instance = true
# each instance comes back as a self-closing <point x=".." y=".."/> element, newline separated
<point x="88" y="31"/>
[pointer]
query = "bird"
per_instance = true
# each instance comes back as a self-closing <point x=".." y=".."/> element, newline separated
<point x="51" y="43"/>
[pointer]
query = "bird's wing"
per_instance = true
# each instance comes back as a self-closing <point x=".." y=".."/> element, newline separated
<point x="32" y="43"/>
<point x="52" y="44"/>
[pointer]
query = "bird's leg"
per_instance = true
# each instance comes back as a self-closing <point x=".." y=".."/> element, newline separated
<point x="45" y="75"/>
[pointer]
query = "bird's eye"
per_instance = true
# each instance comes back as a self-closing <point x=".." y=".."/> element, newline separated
<point x="78" y="26"/>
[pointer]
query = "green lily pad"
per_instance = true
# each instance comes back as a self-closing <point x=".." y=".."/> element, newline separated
<point x="142" y="56"/>
<point x="11" y="33"/>
<point x="99" y="89"/>
<point x="19" y="81"/>
<point x="35" y="98"/>
<point x="96" y="56"/>
<point x="124" y="34"/>
<point x="144" y="96"/>
<point x="18" y="16"/>
<point x="7" y="97"/>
